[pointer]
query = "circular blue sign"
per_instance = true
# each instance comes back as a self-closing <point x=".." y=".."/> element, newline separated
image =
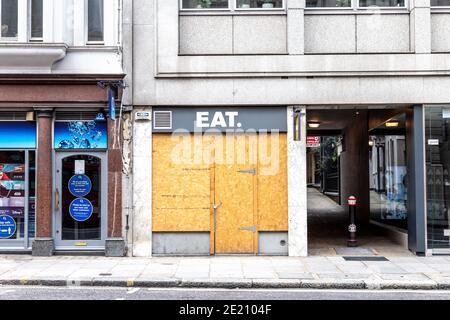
<point x="7" y="227"/>
<point x="81" y="209"/>
<point x="80" y="185"/>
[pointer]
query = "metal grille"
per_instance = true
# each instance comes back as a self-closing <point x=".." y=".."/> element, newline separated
<point x="76" y="115"/>
<point x="162" y="120"/>
<point x="12" y="115"/>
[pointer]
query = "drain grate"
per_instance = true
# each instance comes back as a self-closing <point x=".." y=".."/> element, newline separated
<point x="365" y="258"/>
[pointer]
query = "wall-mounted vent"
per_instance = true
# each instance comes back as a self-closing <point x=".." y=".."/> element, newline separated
<point x="162" y="120"/>
<point x="85" y="115"/>
<point x="12" y="115"/>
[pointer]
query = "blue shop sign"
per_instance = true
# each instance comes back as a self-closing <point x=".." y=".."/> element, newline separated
<point x="81" y="209"/>
<point x="80" y="135"/>
<point x="7" y="227"/>
<point x="80" y="185"/>
<point x="21" y="134"/>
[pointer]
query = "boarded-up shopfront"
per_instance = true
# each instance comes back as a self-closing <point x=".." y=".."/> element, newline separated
<point x="220" y="181"/>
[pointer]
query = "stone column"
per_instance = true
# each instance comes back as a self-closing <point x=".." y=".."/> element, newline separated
<point x="44" y="244"/>
<point x="296" y="26"/>
<point x="115" y="243"/>
<point x="297" y="192"/>
<point x="420" y="22"/>
<point x="142" y="188"/>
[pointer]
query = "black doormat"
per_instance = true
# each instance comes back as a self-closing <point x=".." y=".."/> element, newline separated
<point x="365" y="258"/>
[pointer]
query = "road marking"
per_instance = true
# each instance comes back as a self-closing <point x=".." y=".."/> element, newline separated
<point x="131" y="291"/>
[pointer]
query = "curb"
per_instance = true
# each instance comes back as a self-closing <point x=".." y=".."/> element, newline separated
<point x="344" y="284"/>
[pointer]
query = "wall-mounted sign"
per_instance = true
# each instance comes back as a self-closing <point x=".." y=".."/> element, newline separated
<point x="312" y="141"/>
<point x="80" y="135"/>
<point x="81" y="209"/>
<point x="433" y="142"/>
<point x="80" y="166"/>
<point x="80" y="185"/>
<point x="7" y="226"/>
<point x="21" y="134"/>
<point x="224" y="119"/>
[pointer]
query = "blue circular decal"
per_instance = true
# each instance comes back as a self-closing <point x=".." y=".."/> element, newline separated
<point x="80" y="185"/>
<point x="81" y="209"/>
<point x="7" y="227"/>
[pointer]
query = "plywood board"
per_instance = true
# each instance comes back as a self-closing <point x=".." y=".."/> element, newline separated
<point x="181" y="187"/>
<point x="272" y="183"/>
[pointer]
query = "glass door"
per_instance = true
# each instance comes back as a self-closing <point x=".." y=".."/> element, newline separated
<point x="80" y="201"/>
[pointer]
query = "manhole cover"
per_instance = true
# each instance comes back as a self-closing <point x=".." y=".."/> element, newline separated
<point x="365" y="259"/>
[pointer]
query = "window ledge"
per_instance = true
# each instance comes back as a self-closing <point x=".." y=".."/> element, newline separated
<point x="440" y="9"/>
<point x="30" y="57"/>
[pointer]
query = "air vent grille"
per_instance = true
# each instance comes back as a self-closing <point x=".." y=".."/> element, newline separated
<point x="12" y="115"/>
<point x="162" y="120"/>
<point x="76" y="115"/>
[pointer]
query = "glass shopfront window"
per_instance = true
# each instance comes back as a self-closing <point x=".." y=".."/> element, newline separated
<point x="17" y="183"/>
<point x="437" y="140"/>
<point x="205" y="4"/>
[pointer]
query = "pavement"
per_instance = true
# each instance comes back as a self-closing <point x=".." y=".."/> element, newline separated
<point x="315" y="272"/>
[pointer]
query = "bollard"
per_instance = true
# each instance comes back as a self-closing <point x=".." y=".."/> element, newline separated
<point x="351" y="242"/>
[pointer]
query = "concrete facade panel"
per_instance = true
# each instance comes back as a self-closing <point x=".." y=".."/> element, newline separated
<point x="383" y="33"/>
<point x="440" y="32"/>
<point x="259" y="34"/>
<point x="185" y="243"/>
<point x="330" y="34"/>
<point x="206" y="35"/>
<point x="273" y="243"/>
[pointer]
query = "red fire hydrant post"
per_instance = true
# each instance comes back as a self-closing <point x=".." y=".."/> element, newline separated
<point x="351" y="242"/>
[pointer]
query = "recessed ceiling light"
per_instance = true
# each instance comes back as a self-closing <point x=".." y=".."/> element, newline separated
<point x="313" y="124"/>
<point x="392" y="124"/>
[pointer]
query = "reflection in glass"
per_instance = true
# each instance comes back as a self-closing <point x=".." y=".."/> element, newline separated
<point x="262" y="4"/>
<point x="382" y="3"/>
<point x="440" y="3"/>
<point x="36" y="18"/>
<point x="204" y="4"/>
<point x="437" y="137"/>
<point x="95" y="20"/>
<point x="388" y="190"/>
<point x="328" y="3"/>
<point x="8" y="19"/>
<point x="12" y="189"/>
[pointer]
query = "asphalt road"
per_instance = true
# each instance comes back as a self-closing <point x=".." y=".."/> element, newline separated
<point x="107" y="293"/>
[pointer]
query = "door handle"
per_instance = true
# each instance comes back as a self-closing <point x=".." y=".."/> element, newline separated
<point x="57" y="199"/>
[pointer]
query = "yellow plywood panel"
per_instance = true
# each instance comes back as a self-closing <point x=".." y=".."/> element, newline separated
<point x="181" y="185"/>
<point x="272" y="183"/>
<point x="234" y="191"/>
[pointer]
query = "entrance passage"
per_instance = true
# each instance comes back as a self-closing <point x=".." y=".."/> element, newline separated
<point x="231" y="188"/>
<point x="360" y="153"/>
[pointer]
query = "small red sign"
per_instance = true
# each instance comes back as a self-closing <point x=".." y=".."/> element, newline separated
<point x="351" y="201"/>
<point x="313" y="141"/>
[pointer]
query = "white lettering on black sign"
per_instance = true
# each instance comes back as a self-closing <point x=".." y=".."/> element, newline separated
<point x="217" y="119"/>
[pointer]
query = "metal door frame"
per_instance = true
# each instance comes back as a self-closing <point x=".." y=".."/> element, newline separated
<point x="91" y="245"/>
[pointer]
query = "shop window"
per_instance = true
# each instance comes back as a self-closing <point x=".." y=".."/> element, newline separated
<point x="437" y="140"/>
<point x="95" y="14"/>
<point x="36" y="20"/>
<point x="231" y="4"/>
<point x="9" y="19"/>
<point x="440" y="3"/>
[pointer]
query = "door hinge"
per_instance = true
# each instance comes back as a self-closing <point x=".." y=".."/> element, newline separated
<point x="251" y="228"/>
<point x="252" y="171"/>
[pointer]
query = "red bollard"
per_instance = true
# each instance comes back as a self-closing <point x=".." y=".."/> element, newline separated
<point x="351" y="242"/>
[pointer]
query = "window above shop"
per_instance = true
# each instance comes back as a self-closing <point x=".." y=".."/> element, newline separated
<point x="95" y="21"/>
<point x="440" y="3"/>
<point x="231" y="5"/>
<point x="9" y="19"/>
<point x="356" y="4"/>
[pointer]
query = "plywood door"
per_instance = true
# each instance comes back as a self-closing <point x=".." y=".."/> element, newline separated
<point x="234" y="192"/>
